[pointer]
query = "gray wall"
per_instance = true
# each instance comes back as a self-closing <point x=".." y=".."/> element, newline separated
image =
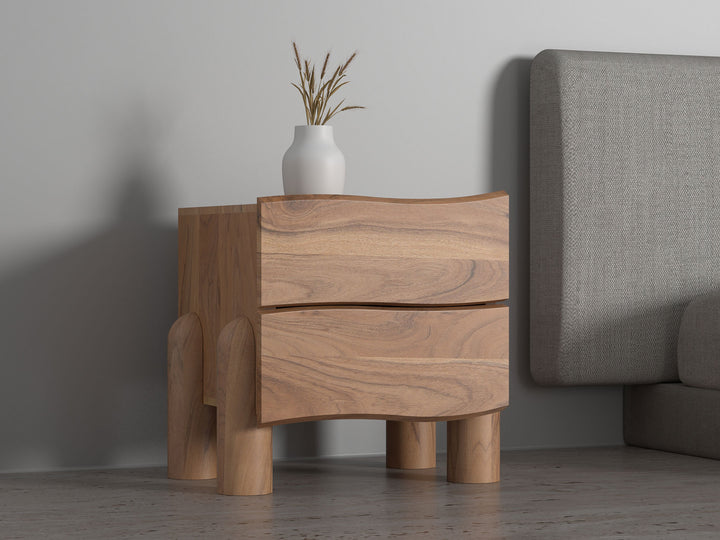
<point x="113" y="114"/>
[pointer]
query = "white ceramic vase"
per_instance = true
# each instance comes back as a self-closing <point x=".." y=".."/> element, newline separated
<point x="313" y="163"/>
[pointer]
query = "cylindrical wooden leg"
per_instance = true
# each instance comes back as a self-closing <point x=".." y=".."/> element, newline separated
<point x="473" y="449"/>
<point x="410" y="445"/>
<point x="244" y="449"/>
<point x="191" y="424"/>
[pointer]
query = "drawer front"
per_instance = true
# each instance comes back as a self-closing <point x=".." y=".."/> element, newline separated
<point x="361" y="250"/>
<point x="411" y="364"/>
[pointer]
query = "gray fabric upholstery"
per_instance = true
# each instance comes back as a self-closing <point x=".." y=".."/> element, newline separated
<point x="624" y="211"/>
<point x="699" y="343"/>
<point x="673" y="417"/>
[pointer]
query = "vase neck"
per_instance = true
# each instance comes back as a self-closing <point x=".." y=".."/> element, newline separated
<point x="324" y="133"/>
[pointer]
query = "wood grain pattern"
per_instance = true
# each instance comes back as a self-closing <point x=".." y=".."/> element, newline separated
<point x="191" y="424"/>
<point x="411" y="366"/>
<point x="473" y="449"/>
<point x="410" y="445"/>
<point x="397" y="364"/>
<point x="344" y="249"/>
<point x="244" y="449"/>
<point x="217" y="274"/>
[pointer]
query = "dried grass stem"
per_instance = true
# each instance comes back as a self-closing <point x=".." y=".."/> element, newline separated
<point x="316" y="93"/>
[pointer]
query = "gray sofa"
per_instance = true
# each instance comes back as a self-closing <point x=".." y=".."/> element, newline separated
<point x="625" y="237"/>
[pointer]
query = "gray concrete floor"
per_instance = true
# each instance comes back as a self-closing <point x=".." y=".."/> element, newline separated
<point x="583" y="493"/>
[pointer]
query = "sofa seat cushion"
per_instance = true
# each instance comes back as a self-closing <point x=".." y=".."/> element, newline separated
<point x="674" y="418"/>
<point x="699" y="343"/>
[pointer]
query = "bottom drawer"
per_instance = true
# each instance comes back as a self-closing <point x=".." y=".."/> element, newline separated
<point x="390" y="363"/>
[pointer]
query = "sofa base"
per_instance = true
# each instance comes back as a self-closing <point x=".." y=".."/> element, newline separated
<point x="673" y="417"/>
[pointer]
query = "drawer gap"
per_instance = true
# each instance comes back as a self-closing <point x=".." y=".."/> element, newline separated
<point x="424" y="307"/>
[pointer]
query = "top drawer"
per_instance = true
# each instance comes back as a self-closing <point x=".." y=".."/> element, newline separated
<point x="335" y="249"/>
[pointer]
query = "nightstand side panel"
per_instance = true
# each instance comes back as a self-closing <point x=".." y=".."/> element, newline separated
<point x="217" y="275"/>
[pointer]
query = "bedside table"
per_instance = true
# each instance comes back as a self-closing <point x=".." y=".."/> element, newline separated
<point x="311" y="307"/>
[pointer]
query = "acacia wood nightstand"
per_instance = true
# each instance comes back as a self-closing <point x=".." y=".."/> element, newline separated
<point x="311" y="307"/>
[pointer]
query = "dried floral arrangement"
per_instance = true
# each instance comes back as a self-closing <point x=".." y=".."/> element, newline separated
<point x="316" y="91"/>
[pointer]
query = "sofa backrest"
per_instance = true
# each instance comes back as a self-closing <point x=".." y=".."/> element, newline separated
<point x="624" y="211"/>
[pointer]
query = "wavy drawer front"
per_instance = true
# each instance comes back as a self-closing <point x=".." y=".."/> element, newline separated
<point x="382" y="363"/>
<point x="344" y="249"/>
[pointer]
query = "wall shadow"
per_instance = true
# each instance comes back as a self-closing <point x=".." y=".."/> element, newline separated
<point x="537" y="416"/>
<point x="509" y="171"/>
<point x="297" y="440"/>
<point x="83" y="333"/>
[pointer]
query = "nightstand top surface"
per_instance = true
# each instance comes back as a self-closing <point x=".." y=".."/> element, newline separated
<point x="242" y="208"/>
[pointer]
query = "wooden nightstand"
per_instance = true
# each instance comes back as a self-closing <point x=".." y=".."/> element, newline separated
<point x="325" y="306"/>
